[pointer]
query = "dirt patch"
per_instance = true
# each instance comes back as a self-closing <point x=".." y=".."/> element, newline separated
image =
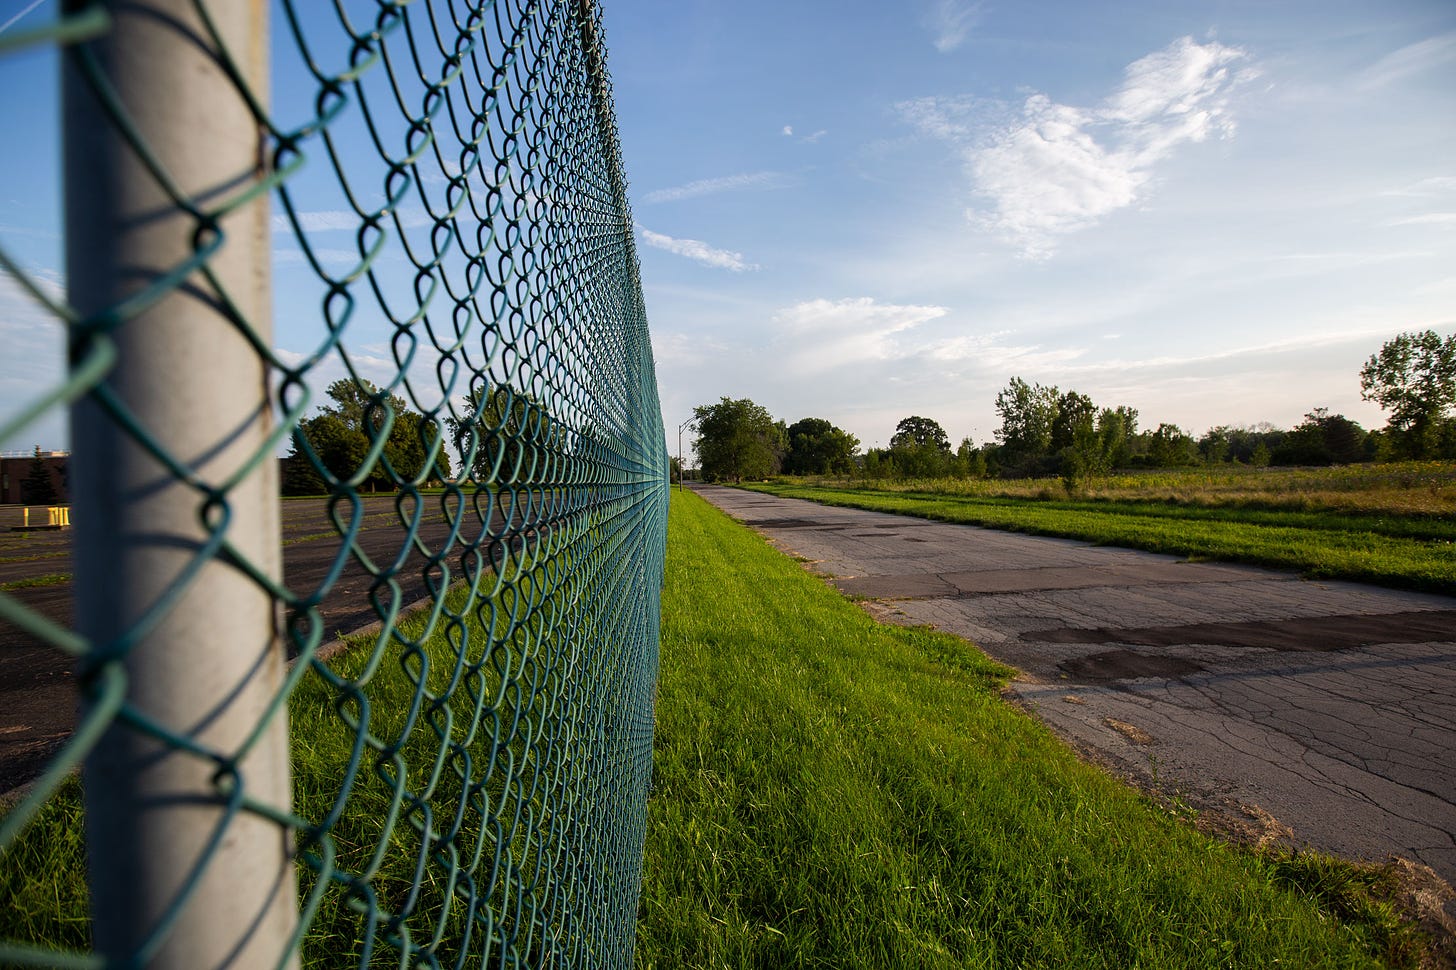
<point x="1114" y="665"/>
<point x="1132" y="732"/>
<point x="1316" y="634"/>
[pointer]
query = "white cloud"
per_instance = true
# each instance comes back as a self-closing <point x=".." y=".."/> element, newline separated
<point x="1425" y="188"/>
<point x="818" y="335"/>
<point x="954" y="118"/>
<point x="338" y="220"/>
<point x="990" y="355"/>
<point x="811" y="139"/>
<point x="789" y="130"/>
<point x="697" y="251"/>
<point x="727" y="183"/>
<point x="1054" y="168"/>
<point x="34" y="359"/>
<point x="1411" y="59"/>
<point x="329" y="258"/>
<point x="951" y="22"/>
<point x="1427" y="219"/>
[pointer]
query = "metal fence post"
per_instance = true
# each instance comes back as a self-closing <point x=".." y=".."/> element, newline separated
<point x="180" y="878"/>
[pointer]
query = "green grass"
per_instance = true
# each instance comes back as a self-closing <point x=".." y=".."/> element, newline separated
<point x="1389" y="547"/>
<point x="375" y="847"/>
<point x="830" y="792"/>
<point x="49" y="579"/>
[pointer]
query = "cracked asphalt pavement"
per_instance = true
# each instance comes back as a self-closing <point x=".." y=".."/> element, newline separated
<point x="1319" y="714"/>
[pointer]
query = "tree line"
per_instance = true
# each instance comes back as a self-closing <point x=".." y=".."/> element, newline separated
<point x="1045" y="431"/>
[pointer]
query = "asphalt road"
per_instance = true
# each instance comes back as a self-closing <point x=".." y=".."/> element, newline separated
<point x="1319" y="714"/>
<point x="38" y="698"/>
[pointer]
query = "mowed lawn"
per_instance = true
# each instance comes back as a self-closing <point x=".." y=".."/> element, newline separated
<point x="830" y="792"/>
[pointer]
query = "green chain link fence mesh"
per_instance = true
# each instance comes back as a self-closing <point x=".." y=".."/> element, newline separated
<point x="470" y="386"/>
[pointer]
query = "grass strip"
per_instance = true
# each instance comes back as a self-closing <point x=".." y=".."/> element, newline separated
<point x="1325" y="546"/>
<point x="49" y="579"/>
<point x="830" y="792"/>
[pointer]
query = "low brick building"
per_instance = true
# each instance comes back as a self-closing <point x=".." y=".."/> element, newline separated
<point x="15" y="472"/>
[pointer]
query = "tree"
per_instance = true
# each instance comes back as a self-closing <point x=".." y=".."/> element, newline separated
<point x="1414" y="378"/>
<point x="1116" y="428"/>
<point x="341" y="436"/>
<point x="1214" y="445"/>
<point x="1076" y="417"/>
<point x="36" y="488"/>
<point x="1323" y="439"/>
<point x="915" y="430"/>
<point x="970" y="460"/>
<point x="816" y="447"/>
<point x="920" y="448"/>
<point x="1169" y="447"/>
<point x="1028" y="412"/>
<point x="506" y="436"/>
<point x="737" y="440"/>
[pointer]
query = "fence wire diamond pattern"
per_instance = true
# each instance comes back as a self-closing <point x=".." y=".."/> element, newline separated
<point x="457" y="368"/>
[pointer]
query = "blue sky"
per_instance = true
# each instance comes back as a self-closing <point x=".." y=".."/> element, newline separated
<point x="1213" y="212"/>
<point x="862" y="210"/>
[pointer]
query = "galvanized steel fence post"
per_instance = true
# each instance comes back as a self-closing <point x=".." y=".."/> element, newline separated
<point x="171" y="508"/>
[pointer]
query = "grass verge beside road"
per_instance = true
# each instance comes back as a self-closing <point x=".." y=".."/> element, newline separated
<point x="833" y="792"/>
<point x="1412" y="551"/>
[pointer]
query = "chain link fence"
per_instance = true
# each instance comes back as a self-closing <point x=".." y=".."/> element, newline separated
<point x="401" y="716"/>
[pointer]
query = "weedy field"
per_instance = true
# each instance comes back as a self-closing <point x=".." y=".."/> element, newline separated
<point x="1392" y="524"/>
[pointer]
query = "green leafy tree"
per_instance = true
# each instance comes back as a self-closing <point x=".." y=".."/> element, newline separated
<point x="1214" y="445"/>
<point x="36" y="488"/>
<point x="738" y="439"/>
<point x="1116" y="428"/>
<point x="1169" y="447"/>
<point x="1414" y="378"/>
<point x="341" y="436"/>
<point x="816" y="447"/>
<point x="506" y="436"/>
<point x="920" y="448"/>
<point x="1028" y="412"/>
<point x="1075" y="421"/>
<point x="1323" y="438"/>
<point x="916" y="430"/>
<point x="970" y="460"/>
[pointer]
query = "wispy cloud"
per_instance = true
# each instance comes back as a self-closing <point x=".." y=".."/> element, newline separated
<point x="13" y="20"/>
<point x="1054" y="168"/>
<point x="696" y="250"/>
<point x="950" y="22"/>
<point x="1425" y="188"/>
<point x="1427" y="219"/>
<point x="35" y="353"/>
<point x="808" y="139"/>
<point x="332" y="258"/>
<point x="726" y="183"/>
<point x="1411" y="59"/>
<point x="338" y="220"/>
<point x="822" y="334"/>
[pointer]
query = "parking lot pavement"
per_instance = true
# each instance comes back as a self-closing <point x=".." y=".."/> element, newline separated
<point x="1320" y="714"/>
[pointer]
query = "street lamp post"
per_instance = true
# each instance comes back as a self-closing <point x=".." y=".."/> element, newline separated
<point x="686" y="424"/>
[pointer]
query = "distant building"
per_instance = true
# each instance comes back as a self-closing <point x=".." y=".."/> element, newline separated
<point x="16" y="477"/>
